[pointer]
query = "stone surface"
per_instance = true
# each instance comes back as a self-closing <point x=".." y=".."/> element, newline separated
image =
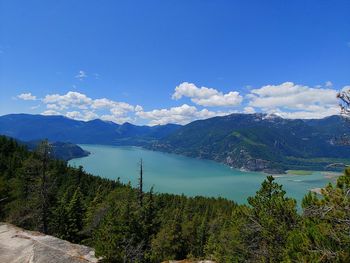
<point x="18" y="246"/>
<point x="188" y="261"/>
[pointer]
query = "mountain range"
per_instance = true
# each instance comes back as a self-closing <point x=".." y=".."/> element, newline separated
<point x="261" y="142"/>
<point x="28" y="127"/>
<point x="257" y="142"/>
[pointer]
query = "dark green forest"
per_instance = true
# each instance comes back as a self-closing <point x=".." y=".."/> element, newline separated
<point x="126" y="224"/>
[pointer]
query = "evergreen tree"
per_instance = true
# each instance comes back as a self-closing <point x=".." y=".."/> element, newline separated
<point x="75" y="215"/>
<point x="44" y="153"/>
<point x="116" y="237"/>
<point x="150" y="222"/>
<point x="60" y="218"/>
<point x="272" y="217"/>
<point x="324" y="235"/>
<point x="92" y="216"/>
<point x="226" y="242"/>
<point x="124" y="228"/>
<point x="168" y="243"/>
<point x="25" y="196"/>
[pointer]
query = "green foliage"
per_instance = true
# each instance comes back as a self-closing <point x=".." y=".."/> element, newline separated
<point x="169" y="242"/>
<point x="283" y="144"/>
<point x="325" y="233"/>
<point x="75" y="215"/>
<point x="259" y="232"/>
<point x="108" y="215"/>
<point x="112" y="235"/>
<point x="272" y="218"/>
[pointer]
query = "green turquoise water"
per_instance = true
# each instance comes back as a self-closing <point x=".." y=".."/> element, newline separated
<point x="170" y="173"/>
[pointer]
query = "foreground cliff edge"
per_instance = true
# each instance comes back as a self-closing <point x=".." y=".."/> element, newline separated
<point x="19" y="245"/>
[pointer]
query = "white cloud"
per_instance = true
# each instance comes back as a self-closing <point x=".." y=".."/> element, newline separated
<point x="295" y="101"/>
<point x="180" y="115"/>
<point x="50" y="112"/>
<point x="249" y="110"/>
<point x="74" y="115"/>
<point x="106" y="103"/>
<point x="102" y="103"/>
<point x="323" y="112"/>
<point x="138" y="108"/>
<point x="70" y="99"/>
<point x="84" y="116"/>
<point x="35" y="107"/>
<point x="207" y="96"/>
<point x="81" y="75"/>
<point x="26" y="96"/>
<point x="288" y="100"/>
<point x="53" y="107"/>
<point x="90" y="115"/>
<point x="119" y="120"/>
<point x="329" y="84"/>
<point x="81" y="107"/>
<point x="291" y="96"/>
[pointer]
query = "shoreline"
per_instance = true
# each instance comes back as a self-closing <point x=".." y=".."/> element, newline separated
<point x="266" y="173"/>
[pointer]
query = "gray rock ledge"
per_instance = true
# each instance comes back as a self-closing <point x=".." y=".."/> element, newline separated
<point x="18" y="245"/>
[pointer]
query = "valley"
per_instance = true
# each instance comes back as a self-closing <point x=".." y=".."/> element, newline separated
<point x="176" y="174"/>
<point x="252" y="142"/>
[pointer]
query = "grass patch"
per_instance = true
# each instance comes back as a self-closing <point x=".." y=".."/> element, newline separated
<point x="299" y="172"/>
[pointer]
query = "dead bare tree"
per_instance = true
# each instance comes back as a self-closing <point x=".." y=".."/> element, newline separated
<point x="344" y="102"/>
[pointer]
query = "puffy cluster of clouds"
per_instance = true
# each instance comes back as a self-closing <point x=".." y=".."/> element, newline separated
<point x="290" y="100"/>
<point x="26" y="96"/>
<point x="180" y="115"/>
<point x="287" y="99"/>
<point x="79" y="106"/>
<point x="207" y="96"/>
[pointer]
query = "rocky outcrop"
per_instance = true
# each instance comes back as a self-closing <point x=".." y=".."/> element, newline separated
<point x="241" y="159"/>
<point x="18" y="245"/>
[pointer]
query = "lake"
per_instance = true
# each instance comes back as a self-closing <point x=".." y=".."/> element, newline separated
<point x="171" y="173"/>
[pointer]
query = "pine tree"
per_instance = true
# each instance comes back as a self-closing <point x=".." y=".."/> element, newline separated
<point x="25" y="195"/>
<point x="118" y="235"/>
<point x="324" y="235"/>
<point x="75" y="215"/>
<point x="60" y="218"/>
<point x="168" y="243"/>
<point x="44" y="153"/>
<point x="149" y="222"/>
<point x="273" y="216"/>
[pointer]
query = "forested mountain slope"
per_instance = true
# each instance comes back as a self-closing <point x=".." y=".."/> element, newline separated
<point x="257" y="142"/>
<point x="124" y="224"/>
<point x="262" y="142"/>
<point x="59" y="150"/>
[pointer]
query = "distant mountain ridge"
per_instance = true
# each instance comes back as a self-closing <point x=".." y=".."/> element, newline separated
<point x="28" y="127"/>
<point x="262" y="142"/>
<point x="256" y="142"/>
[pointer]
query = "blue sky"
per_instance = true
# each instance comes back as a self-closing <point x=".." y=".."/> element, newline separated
<point x="154" y="62"/>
